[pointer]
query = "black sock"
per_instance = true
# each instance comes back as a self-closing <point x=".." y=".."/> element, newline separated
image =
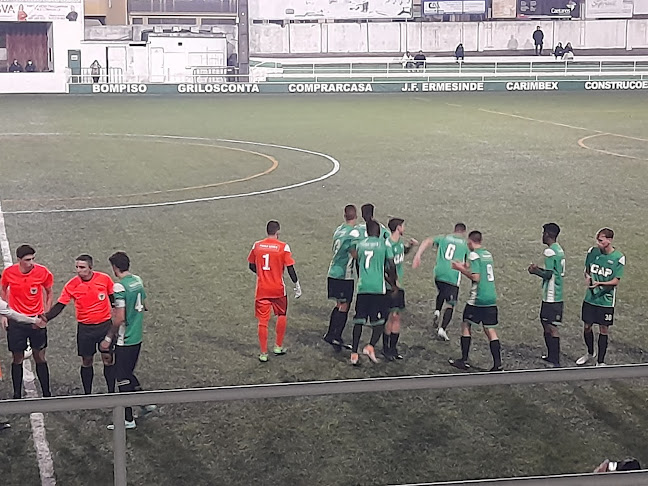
<point x="386" y="340"/>
<point x="87" y="375"/>
<point x="439" y="302"/>
<point x="17" y="379"/>
<point x="547" y="339"/>
<point x="447" y="317"/>
<point x="555" y="342"/>
<point x="128" y="387"/>
<point x="357" y="334"/>
<point x="495" y="350"/>
<point x="128" y="412"/>
<point x="589" y="341"/>
<point x="109" y="375"/>
<point x="376" y="332"/>
<point x="42" y="371"/>
<point x="340" y="324"/>
<point x="330" y="334"/>
<point x="602" y="347"/>
<point x="394" y="340"/>
<point x="465" y="347"/>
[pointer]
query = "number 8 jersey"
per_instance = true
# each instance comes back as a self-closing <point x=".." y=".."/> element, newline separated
<point x="482" y="293"/>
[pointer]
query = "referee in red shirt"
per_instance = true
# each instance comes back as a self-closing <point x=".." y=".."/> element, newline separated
<point x="93" y="297"/>
<point x="27" y="287"/>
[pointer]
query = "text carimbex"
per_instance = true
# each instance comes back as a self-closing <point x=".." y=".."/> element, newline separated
<point x="330" y="88"/>
<point x="119" y="88"/>
<point x="616" y="84"/>
<point x="532" y="86"/>
<point x="219" y="88"/>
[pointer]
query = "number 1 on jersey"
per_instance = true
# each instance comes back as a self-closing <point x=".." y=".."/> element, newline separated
<point x="266" y="262"/>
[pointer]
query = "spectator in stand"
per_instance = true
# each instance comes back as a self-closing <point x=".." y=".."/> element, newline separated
<point x="559" y="51"/>
<point x="538" y="40"/>
<point x="406" y="61"/>
<point x="30" y="67"/>
<point x="568" y="52"/>
<point x="512" y="43"/>
<point x="420" y="60"/>
<point x="15" y="67"/>
<point x="459" y="52"/>
<point x="95" y="70"/>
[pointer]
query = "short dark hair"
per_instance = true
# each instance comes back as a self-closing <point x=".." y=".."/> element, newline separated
<point x="629" y="464"/>
<point x="367" y="211"/>
<point x="272" y="227"/>
<point x="460" y="227"/>
<point x="395" y="223"/>
<point x="350" y="212"/>
<point x="120" y="260"/>
<point x="475" y="236"/>
<point x="552" y="229"/>
<point x="373" y="228"/>
<point x="23" y="250"/>
<point x="607" y="232"/>
<point x="85" y="258"/>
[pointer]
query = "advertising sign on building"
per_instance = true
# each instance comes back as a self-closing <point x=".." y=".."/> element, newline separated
<point x="329" y="9"/>
<point x="548" y="8"/>
<point x="440" y="7"/>
<point x="609" y="9"/>
<point x="504" y="9"/>
<point x="41" y="11"/>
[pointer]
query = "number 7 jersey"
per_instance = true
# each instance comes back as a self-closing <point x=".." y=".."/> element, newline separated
<point x="271" y="257"/>
<point x="373" y="254"/>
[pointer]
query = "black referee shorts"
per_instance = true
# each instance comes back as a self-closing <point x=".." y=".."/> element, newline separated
<point x="90" y="335"/>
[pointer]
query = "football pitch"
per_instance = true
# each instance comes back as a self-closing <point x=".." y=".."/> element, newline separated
<point x="176" y="184"/>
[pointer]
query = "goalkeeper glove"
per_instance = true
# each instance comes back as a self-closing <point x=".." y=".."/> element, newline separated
<point x="298" y="290"/>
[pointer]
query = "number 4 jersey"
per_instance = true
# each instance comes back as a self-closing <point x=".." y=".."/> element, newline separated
<point x="482" y="293"/>
<point x="130" y="295"/>
<point x="271" y="257"/>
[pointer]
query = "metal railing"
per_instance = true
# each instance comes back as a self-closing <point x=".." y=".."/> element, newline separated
<point x="87" y="76"/>
<point x="342" y="387"/>
<point x="216" y="74"/>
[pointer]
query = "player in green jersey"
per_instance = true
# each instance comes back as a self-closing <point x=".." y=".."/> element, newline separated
<point x="481" y="307"/>
<point x="340" y="276"/>
<point x="449" y="248"/>
<point x="130" y="304"/>
<point x="396" y="299"/>
<point x="552" y="275"/>
<point x="367" y="211"/>
<point x="375" y="264"/>
<point x="603" y="271"/>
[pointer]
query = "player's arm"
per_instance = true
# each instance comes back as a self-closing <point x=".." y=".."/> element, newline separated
<point x="427" y="243"/>
<point x="252" y="267"/>
<point x="252" y="259"/>
<point x="543" y="273"/>
<point x="390" y="273"/>
<point x="5" y="311"/>
<point x="4" y="292"/>
<point x="63" y="300"/>
<point x="293" y="276"/>
<point x="118" y="317"/>
<point x="410" y="245"/>
<point x="49" y="297"/>
<point x="470" y="269"/>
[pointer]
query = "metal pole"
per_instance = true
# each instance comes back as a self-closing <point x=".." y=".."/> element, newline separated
<point x="119" y="446"/>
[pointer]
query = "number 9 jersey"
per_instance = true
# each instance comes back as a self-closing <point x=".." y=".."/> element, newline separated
<point x="482" y="293"/>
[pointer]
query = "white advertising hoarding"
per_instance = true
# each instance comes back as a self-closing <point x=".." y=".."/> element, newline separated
<point x="609" y="9"/>
<point x="41" y="11"/>
<point x="440" y="7"/>
<point x="329" y="9"/>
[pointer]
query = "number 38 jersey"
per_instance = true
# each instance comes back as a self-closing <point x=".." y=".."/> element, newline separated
<point x="373" y="253"/>
<point x="482" y="293"/>
<point x="130" y="295"/>
<point x="271" y="257"/>
<point x="450" y="247"/>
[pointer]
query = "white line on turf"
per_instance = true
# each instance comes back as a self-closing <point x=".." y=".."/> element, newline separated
<point x="333" y="171"/>
<point x="43" y="454"/>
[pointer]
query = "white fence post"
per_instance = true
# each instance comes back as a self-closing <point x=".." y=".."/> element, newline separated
<point x="119" y="446"/>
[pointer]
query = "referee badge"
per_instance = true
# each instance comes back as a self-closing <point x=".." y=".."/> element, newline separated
<point x="102" y="296"/>
<point x="33" y="291"/>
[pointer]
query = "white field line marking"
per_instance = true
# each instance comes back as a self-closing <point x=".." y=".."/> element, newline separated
<point x="43" y="453"/>
<point x="333" y="171"/>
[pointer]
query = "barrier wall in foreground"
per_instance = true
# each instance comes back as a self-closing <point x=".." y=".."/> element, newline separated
<point x="357" y="87"/>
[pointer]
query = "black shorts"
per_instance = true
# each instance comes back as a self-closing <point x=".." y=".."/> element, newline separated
<point x="19" y="333"/>
<point x="340" y="290"/>
<point x="396" y="300"/>
<point x="596" y="314"/>
<point x="448" y="292"/>
<point x="125" y="361"/>
<point x="371" y="307"/>
<point x="481" y="315"/>
<point x="90" y="335"/>
<point x="551" y="313"/>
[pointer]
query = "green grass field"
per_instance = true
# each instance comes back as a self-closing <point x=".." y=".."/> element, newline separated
<point x="432" y="160"/>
